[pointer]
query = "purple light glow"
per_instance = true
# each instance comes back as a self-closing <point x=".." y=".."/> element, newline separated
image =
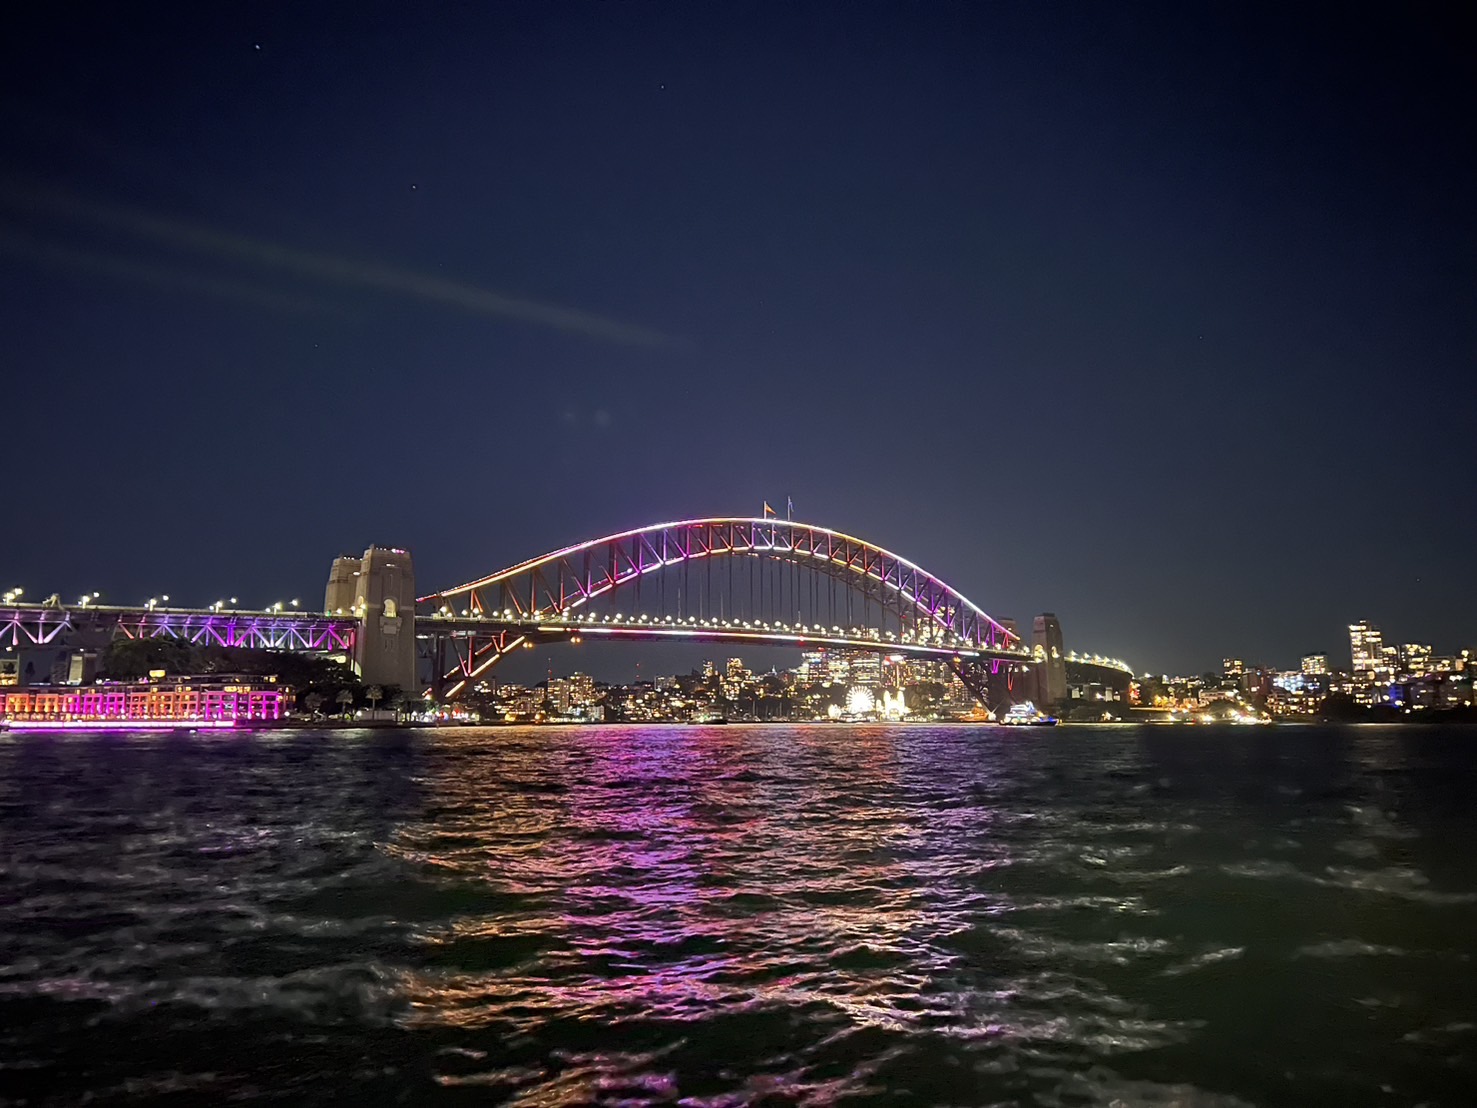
<point x="119" y="724"/>
<point x="117" y="706"/>
<point x="31" y="623"/>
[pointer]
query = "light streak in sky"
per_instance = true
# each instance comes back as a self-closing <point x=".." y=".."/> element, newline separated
<point x="331" y="269"/>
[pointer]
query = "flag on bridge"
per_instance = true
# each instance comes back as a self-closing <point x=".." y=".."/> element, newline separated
<point x="768" y="511"/>
<point x="789" y="508"/>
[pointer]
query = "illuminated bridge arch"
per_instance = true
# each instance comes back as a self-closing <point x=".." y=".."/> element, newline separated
<point x="768" y="581"/>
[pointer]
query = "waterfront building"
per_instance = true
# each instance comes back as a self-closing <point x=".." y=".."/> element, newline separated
<point x="184" y="701"/>
<point x="518" y="702"/>
<point x="1434" y="691"/>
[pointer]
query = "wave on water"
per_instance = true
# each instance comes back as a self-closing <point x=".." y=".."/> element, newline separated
<point x="736" y="916"/>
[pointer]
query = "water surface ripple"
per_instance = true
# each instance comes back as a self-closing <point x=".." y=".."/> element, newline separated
<point x="741" y="915"/>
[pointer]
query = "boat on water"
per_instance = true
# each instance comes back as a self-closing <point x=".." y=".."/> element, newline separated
<point x="1025" y="714"/>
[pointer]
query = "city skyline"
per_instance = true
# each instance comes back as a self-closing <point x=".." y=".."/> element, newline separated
<point x="615" y="661"/>
<point x="1109" y="312"/>
<point x="559" y="661"/>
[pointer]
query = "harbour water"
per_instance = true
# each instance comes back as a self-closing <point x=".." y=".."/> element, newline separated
<point x="741" y="915"/>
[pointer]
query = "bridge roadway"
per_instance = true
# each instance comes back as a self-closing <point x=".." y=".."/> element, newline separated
<point x="36" y="625"/>
<point x="574" y="627"/>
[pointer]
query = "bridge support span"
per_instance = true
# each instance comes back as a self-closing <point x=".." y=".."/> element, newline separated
<point x="781" y="582"/>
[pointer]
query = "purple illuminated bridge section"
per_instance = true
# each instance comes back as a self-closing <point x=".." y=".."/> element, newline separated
<point x="741" y="580"/>
<point x="38" y="625"/>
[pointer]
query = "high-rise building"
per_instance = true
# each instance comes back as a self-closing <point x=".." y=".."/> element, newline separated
<point x="1374" y="663"/>
<point x="1315" y="664"/>
<point x="1366" y="647"/>
<point x="918" y="670"/>
<point x="581" y="690"/>
<point x="735" y="677"/>
<point x="814" y="667"/>
<point x="864" y="667"/>
<point x="1232" y="667"/>
<point x="572" y="695"/>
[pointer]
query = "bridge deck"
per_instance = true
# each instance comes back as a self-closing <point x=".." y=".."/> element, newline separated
<point x="718" y="631"/>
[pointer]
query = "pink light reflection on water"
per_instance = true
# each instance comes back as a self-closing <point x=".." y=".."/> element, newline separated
<point x="681" y="869"/>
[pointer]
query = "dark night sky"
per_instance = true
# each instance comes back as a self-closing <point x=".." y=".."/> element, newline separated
<point x="1160" y="317"/>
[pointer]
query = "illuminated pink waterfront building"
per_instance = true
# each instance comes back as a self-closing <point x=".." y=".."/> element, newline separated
<point x="182" y="702"/>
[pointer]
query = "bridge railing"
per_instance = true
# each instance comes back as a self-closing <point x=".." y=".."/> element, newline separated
<point x="1098" y="660"/>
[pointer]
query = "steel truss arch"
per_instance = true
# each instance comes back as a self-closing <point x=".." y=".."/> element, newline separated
<point x="557" y="584"/>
